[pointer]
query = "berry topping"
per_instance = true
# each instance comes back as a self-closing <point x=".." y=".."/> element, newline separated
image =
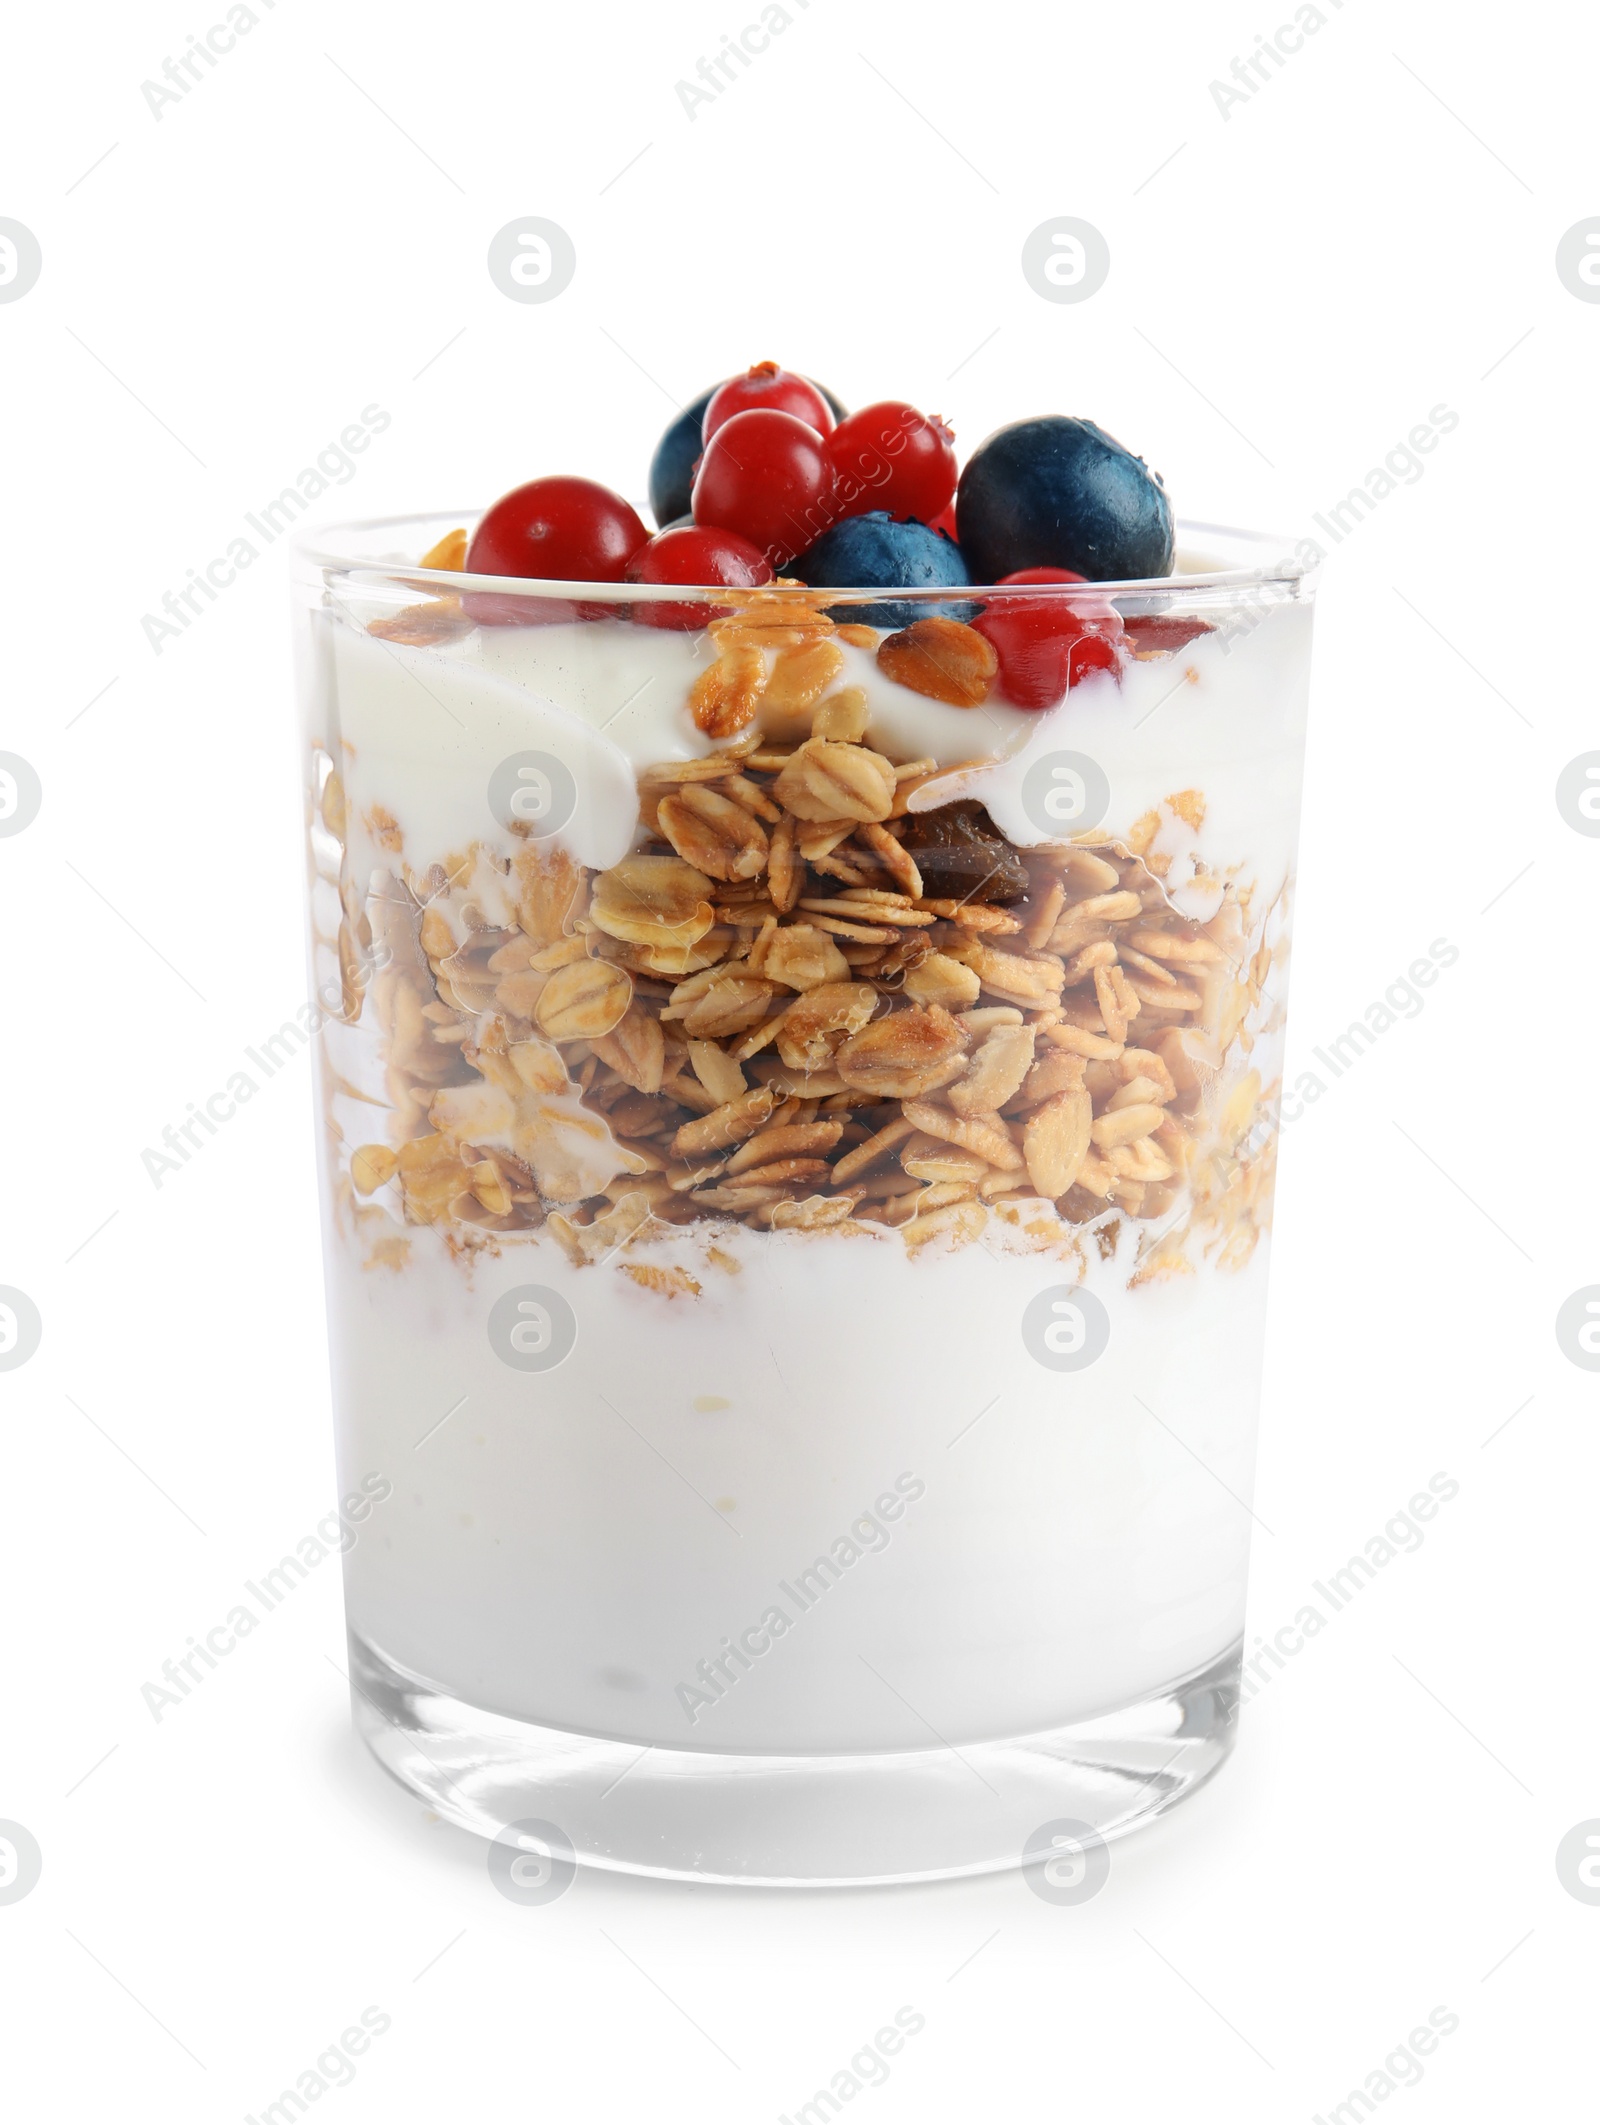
<point x="558" y="529"/>
<point x="1046" y="645"/>
<point x="768" y="388"/>
<point x="889" y="456"/>
<point x="764" y="475"/>
<point x="961" y="856"/>
<point x="693" y="556"/>
<point x="672" y="467"/>
<point x="873" y="551"/>
<point x="1062" y="493"/>
<point x="567" y="529"/>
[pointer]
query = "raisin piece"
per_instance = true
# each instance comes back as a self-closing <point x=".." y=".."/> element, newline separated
<point x="962" y="857"/>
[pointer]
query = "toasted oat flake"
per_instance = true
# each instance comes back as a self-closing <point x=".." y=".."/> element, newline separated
<point x="829" y="781"/>
<point x="583" y="1001"/>
<point x="713" y="834"/>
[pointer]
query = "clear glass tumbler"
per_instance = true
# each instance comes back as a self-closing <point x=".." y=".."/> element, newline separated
<point x="798" y="1137"/>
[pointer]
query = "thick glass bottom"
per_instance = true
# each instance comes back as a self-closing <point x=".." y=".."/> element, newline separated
<point x="788" y="1821"/>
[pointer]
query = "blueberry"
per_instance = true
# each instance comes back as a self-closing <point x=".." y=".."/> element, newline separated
<point x="874" y="552"/>
<point x="672" y="467"/>
<point x="1060" y="493"/>
<point x="836" y="405"/>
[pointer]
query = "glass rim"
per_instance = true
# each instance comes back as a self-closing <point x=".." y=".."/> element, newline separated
<point x="338" y="547"/>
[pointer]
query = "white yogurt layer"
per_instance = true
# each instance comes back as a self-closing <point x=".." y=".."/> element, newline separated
<point x="569" y="1547"/>
<point x="424" y="729"/>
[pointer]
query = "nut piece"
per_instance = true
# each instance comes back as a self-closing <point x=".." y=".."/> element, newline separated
<point x="818" y="1022"/>
<point x="942" y="980"/>
<point x="802" y="957"/>
<point x="583" y="1001"/>
<point x="826" y="780"/>
<point x="944" y="659"/>
<point x="907" y="1053"/>
<point x="723" y="699"/>
<point x="996" y="1071"/>
<point x="1055" y="1141"/>
<point x="652" y="900"/>
<point x="713" y="833"/>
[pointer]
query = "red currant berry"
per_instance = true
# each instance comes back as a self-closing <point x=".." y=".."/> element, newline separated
<point x="1046" y="645"/>
<point x="890" y="456"/>
<point x="558" y="529"/>
<point x="690" y="555"/>
<point x="764" y="475"/>
<point x="768" y="387"/>
<point x="945" y="521"/>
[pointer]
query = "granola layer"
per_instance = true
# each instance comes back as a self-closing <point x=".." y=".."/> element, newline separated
<point x="800" y="1005"/>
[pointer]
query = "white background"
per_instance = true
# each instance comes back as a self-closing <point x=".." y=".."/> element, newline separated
<point x="1371" y="235"/>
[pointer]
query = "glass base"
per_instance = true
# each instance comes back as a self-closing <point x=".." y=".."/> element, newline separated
<point x="797" y="1821"/>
